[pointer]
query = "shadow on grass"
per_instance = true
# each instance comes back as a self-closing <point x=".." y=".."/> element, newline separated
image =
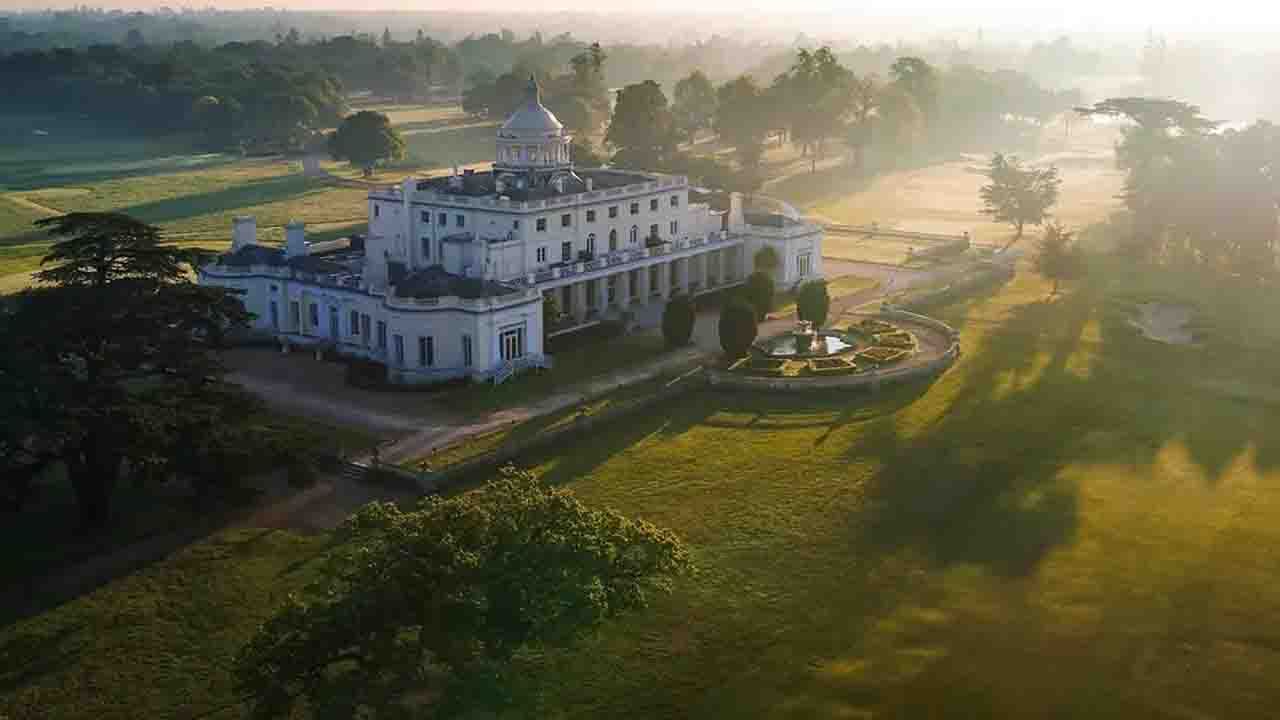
<point x="255" y="192"/>
<point x="25" y="657"/>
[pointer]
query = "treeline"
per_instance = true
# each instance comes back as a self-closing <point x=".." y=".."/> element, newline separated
<point x="1197" y="196"/>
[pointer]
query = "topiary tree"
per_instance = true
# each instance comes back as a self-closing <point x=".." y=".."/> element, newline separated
<point x="437" y="601"/>
<point x="550" y="313"/>
<point x="766" y="260"/>
<point x="677" y="321"/>
<point x="758" y="291"/>
<point x="365" y="139"/>
<point x="737" y="328"/>
<point x="813" y="302"/>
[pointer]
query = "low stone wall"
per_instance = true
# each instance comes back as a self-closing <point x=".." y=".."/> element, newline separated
<point x="871" y="380"/>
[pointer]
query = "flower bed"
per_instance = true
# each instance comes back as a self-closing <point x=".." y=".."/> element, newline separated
<point x="832" y="366"/>
<point x="760" y="365"/>
<point x="882" y="355"/>
<point x="900" y="339"/>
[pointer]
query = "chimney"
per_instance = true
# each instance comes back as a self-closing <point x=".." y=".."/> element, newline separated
<point x="295" y="239"/>
<point x="737" y="221"/>
<point x="244" y="232"/>
<point x="591" y="183"/>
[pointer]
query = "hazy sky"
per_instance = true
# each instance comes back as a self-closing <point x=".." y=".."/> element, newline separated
<point x="1259" y="16"/>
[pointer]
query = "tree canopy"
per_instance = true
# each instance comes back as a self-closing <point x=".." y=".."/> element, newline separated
<point x="737" y="328"/>
<point x="642" y="129"/>
<point x="694" y="107"/>
<point x="365" y="139"/>
<point x="428" y="606"/>
<point x="677" y="320"/>
<point x="1019" y="195"/>
<point x="813" y="302"/>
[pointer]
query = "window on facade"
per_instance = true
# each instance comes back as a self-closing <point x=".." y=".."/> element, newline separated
<point x="333" y="323"/>
<point x="635" y="234"/>
<point x="426" y="351"/>
<point x="804" y="264"/>
<point x="591" y="243"/>
<point x="653" y="204"/>
<point x="635" y="208"/>
<point x="275" y="315"/>
<point x="426" y="248"/>
<point x="426" y="216"/>
<point x="442" y="219"/>
<point x="515" y="224"/>
<point x="382" y="335"/>
<point x="542" y="225"/>
<point x="466" y="351"/>
<point x="653" y="230"/>
<point x="675" y="201"/>
<point x="376" y="209"/>
<point x="591" y="216"/>
<point x="295" y="316"/>
<point x="313" y="315"/>
<point x="613" y="211"/>
<point x="675" y="227"/>
<point x="399" y="343"/>
<point x="355" y="323"/>
<point x="613" y="240"/>
<point x="542" y="254"/>
<point x="566" y="251"/>
<point x="460" y="220"/>
<point x="511" y="343"/>
<point x="566" y="220"/>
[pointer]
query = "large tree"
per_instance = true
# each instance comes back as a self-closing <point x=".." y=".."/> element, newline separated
<point x="737" y="328"/>
<point x="365" y="139"/>
<point x="742" y="120"/>
<point x="813" y="302"/>
<point x="423" y="610"/>
<point x="642" y="128"/>
<point x="115" y="329"/>
<point x="694" y="107"/>
<point x="816" y="92"/>
<point x="1018" y="195"/>
<point x="864" y="99"/>
<point x="678" y="318"/>
<point x="1059" y="258"/>
<point x="919" y="79"/>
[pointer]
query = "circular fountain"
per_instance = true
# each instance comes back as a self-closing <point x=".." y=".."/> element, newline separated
<point x="805" y="342"/>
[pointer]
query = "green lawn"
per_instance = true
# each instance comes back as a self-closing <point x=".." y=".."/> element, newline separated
<point x="1072" y="522"/>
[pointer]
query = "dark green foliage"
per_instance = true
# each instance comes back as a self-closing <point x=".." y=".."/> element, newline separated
<point x="694" y="105"/>
<point x="114" y="353"/>
<point x="677" y="321"/>
<point x="766" y="260"/>
<point x="813" y="302"/>
<point x="758" y="290"/>
<point x="1059" y="257"/>
<point x="1017" y="195"/>
<point x="737" y="328"/>
<point x="365" y="139"/>
<point x="550" y="313"/>
<point x="744" y="118"/>
<point x="433" y="603"/>
<point x="642" y="127"/>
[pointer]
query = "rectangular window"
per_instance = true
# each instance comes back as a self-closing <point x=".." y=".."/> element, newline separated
<point x="804" y="264"/>
<point x="591" y="216"/>
<point x="653" y="230"/>
<point x="426" y="248"/>
<point x="635" y="208"/>
<point x="295" y="316"/>
<point x="313" y="315"/>
<point x="511" y="343"/>
<point x="675" y="227"/>
<point x="566" y="251"/>
<point x="375" y="209"/>
<point x="675" y="201"/>
<point x="613" y="211"/>
<point x="653" y="204"/>
<point x="542" y="225"/>
<point x="399" y="342"/>
<point x="515" y="224"/>
<point x="542" y="254"/>
<point x="426" y="216"/>
<point x="466" y="350"/>
<point x="275" y="315"/>
<point x="355" y="322"/>
<point x="591" y="244"/>
<point x="442" y="219"/>
<point x="364" y="329"/>
<point x="460" y="220"/>
<point x="426" y="351"/>
<point x="382" y="335"/>
<point x="566" y="220"/>
<point x="333" y="323"/>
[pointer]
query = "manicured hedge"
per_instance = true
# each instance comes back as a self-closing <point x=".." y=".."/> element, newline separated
<point x="899" y="339"/>
<point x="882" y="355"/>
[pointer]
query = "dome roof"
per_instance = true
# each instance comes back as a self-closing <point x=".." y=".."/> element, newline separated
<point x="532" y="116"/>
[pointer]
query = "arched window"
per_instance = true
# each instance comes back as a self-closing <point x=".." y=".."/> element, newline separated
<point x="591" y="243"/>
<point x="635" y="234"/>
<point x="613" y="240"/>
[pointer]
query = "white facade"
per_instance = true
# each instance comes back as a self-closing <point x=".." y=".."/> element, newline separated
<point x="452" y="276"/>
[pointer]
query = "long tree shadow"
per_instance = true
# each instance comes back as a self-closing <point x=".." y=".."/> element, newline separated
<point x="255" y="192"/>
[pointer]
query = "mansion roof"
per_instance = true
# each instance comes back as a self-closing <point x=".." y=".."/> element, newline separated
<point x="485" y="184"/>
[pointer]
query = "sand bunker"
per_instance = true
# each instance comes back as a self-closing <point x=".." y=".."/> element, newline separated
<point x="1164" y="323"/>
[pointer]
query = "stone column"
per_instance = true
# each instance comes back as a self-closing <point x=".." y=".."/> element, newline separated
<point x="602" y="294"/>
<point x="704" y="272"/>
<point x="623" y="294"/>
<point x="579" y="290"/>
<point x="664" y="280"/>
<point x="642" y="285"/>
<point x="724" y="265"/>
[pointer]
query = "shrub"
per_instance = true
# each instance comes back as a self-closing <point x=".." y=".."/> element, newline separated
<point x="367" y="374"/>
<point x="737" y="328"/>
<point x="873" y="326"/>
<point x="832" y="366"/>
<point x="758" y="291"/>
<point x="677" y="321"/>
<point x="766" y="260"/>
<point x="881" y="355"/>
<point x="898" y="339"/>
<point x="813" y="302"/>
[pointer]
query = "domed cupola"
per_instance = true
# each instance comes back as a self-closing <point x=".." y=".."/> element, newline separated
<point x="532" y="138"/>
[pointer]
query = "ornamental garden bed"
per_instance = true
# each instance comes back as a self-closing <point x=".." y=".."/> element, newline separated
<point x="762" y="366"/>
<point x="832" y="366"/>
<point x="900" y="339"/>
<point x="873" y="326"/>
<point x="882" y="355"/>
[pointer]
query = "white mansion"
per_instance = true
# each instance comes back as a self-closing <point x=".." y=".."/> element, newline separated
<point x="452" y="276"/>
